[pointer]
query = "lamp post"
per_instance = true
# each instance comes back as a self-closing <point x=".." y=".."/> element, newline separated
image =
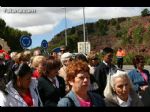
<point x="84" y="30"/>
<point x="65" y="26"/>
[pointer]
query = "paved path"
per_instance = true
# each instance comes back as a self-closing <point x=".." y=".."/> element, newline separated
<point x="130" y="67"/>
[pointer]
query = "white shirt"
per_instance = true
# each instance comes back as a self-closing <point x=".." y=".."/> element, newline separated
<point x="105" y="63"/>
<point x="124" y="103"/>
<point x="2" y="99"/>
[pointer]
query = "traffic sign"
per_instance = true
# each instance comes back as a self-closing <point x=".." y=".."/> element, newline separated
<point x="44" y="44"/>
<point x="25" y="41"/>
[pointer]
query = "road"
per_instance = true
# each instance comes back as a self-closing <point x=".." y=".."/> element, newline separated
<point x="130" y="67"/>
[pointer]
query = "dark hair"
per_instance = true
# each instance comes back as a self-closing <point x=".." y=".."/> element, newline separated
<point x="0" y="47"/>
<point x="137" y="59"/>
<point x="21" y="71"/>
<point x="52" y="64"/>
<point x="107" y="50"/>
<point x="81" y="57"/>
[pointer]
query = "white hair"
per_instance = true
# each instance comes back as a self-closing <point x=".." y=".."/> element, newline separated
<point x="12" y="54"/>
<point x="108" y="91"/>
<point x="65" y="56"/>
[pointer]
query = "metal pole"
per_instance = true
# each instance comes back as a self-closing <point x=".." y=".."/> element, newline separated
<point x="84" y="30"/>
<point x="65" y="28"/>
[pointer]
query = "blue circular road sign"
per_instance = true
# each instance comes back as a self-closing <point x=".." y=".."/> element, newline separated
<point x="25" y="41"/>
<point x="44" y="44"/>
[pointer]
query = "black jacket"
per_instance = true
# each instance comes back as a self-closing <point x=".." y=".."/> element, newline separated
<point x="100" y="75"/>
<point x="50" y="95"/>
<point x="146" y="96"/>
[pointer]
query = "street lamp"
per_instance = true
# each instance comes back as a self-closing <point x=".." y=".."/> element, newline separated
<point x="84" y="30"/>
<point x="65" y="26"/>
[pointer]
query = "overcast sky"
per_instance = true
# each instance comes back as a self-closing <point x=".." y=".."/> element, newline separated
<point x="42" y="20"/>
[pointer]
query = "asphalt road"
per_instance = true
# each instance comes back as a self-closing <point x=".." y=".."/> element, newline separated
<point x="130" y="67"/>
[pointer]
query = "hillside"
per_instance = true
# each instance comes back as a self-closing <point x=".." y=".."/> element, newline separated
<point x="131" y="33"/>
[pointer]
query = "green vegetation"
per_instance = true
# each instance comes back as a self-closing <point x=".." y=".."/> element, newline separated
<point x="145" y="12"/>
<point x="131" y="33"/>
<point x="11" y="35"/>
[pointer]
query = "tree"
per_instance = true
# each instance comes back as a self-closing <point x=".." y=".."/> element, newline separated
<point x="145" y="12"/>
<point x="103" y="27"/>
<point x="137" y="34"/>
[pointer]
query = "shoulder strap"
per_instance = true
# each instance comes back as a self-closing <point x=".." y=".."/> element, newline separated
<point x="71" y="101"/>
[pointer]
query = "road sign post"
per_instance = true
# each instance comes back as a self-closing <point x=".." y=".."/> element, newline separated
<point x="44" y="45"/>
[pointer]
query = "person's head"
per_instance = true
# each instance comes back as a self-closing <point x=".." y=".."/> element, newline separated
<point x="78" y="76"/>
<point x="93" y="59"/>
<point x="63" y="49"/>
<point x="37" y="52"/>
<point x="26" y="56"/>
<point x="138" y="61"/>
<point x="81" y="56"/>
<point x="39" y="63"/>
<point x="22" y="76"/>
<point x="18" y="58"/>
<point x="107" y="54"/>
<point x="54" y="54"/>
<point x="12" y="55"/>
<point x="118" y="84"/>
<point x="66" y="58"/>
<point x="52" y="67"/>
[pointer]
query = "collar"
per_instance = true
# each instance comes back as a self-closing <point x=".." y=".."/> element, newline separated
<point x="51" y="78"/>
<point x="124" y="103"/>
<point x="105" y="63"/>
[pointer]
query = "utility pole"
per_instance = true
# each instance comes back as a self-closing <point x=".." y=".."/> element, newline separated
<point x="84" y="30"/>
<point x="65" y="28"/>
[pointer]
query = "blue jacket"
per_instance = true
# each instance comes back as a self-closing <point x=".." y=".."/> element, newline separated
<point x="137" y="79"/>
<point x="96" y="99"/>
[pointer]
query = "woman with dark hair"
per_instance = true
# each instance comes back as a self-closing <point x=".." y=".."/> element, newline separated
<point x="51" y="86"/>
<point x="139" y="76"/>
<point x="81" y="56"/>
<point x="22" y="90"/>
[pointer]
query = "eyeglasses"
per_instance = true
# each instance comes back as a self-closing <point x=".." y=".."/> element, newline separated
<point x="62" y="50"/>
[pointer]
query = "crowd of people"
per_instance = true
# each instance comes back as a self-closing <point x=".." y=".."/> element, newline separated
<point x="62" y="79"/>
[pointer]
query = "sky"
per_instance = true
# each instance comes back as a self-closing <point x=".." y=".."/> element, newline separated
<point x="45" y="22"/>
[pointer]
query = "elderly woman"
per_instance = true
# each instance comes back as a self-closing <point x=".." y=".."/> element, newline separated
<point x="78" y="78"/>
<point x="22" y="90"/>
<point x="65" y="59"/>
<point x="139" y="76"/>
<point x="119" y="91"/>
